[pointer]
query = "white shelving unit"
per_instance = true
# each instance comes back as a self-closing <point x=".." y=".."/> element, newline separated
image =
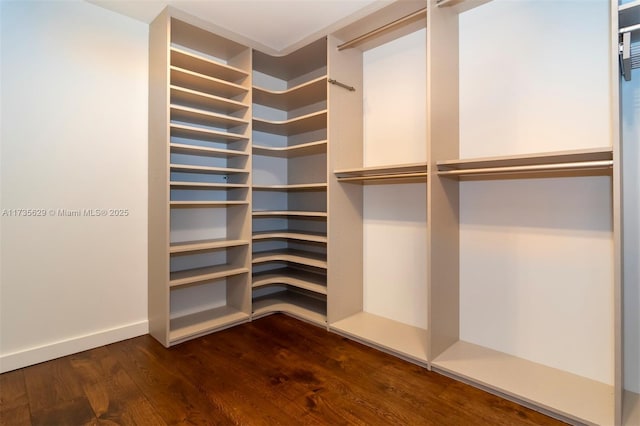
<point x="199" y="181"/>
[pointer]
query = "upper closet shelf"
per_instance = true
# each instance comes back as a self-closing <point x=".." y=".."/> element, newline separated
<point x="206" y="118"/>
<point x="629" y="24"/>
<point x="293" y="126"/>
<point x="415" y="172"/>
<point x="203" y="65"/>
<point x="199" y="133"/>
<point x="179" y="148"/>
<point x="203" y="83"/>
<point x="304" y="94"/>
<point x="197" y="99"/>
<point x="598" y="160"/>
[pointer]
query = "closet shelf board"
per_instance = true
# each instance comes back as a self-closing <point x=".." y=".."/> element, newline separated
<point x="194" y="98"/>
<point x="218" y="243"/>
<point x="203" y="65"/>
<point x="308" y="93"/>
<point x="293" y="187"/>
<point x="188" y="168"/>
<point x="293" y="126"/>
<point x="292" y="277"/>
<point x="207" y="185"/>
<point x="205" y="151"/>
<point x="198" y="133"/>
<point x="412" y="172"/>
<point x="295" y="304"/>
<point x="289" y="255"/>
<point x="200" y="116"/>
<point x="204" y="322"/>
<point x="391" y="336"/>
<point x="309" y="148"/>
<point x="224" y="203"/>
<point x="202" y="83"/>
<point x="210" y="273"/>
<point x="550" y="162"/>
<point x="574" y="397"/>
<point x="291" y="235"/>
<point x="277" y="213"/>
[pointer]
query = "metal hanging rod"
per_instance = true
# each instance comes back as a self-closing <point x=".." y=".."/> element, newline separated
<point x="419" y="14"/>
<point x="344" y="86"/>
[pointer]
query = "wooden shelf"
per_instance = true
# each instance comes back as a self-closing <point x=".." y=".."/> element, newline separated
<point x="291" y="235"/>
<point x="293" y="126"/>
<point x="391" y="336"/>
<point x="292" y="277"/>
<point x="205" y="151"/>
<point x="202" y="83"/>
<point x="205" y="169"/>
<point x="219" y="243"/>
<point x="198" y="275"/>
<point x="308" y="93"/>
<point x="414" y="172"/>
<point x="198" y="133"/>
<point x="206" y="118"/>
<point x="580" y="161"/>
<point x="207" y="203"/>
<point x="196" y="99"/>
<point x="293" y="187"/>
<point x="292" y="303"/>
<point x="192" y="61"/>
<point x="309" y="148"/>
<point x="207" y="185"/>
<point x="276" y="213"/>
<point x="300" y="257"/>
<point x="578" y="398"/>
<point x="200" y="323"/>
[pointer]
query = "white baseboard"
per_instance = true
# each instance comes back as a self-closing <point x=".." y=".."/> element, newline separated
<point x="35" y="355"/>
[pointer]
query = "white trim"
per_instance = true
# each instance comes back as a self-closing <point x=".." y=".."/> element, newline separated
<point x="35" y="355"/>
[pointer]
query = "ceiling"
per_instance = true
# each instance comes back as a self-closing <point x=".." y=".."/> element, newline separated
<point x="277" y="25"/>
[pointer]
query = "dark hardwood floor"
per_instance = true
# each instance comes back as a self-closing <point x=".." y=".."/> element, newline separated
<point x="273" y="371"/>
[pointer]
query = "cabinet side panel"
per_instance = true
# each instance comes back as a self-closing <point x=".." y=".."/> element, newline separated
<point x="442" y="194"/>
<point x="344" y="249"/>
<point x="158" y="226"/>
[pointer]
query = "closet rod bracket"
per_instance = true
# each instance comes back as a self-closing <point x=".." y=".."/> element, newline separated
<point x="344" y="86"/>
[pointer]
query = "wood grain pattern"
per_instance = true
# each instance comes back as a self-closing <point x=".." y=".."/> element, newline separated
<point x="273" y="371"/>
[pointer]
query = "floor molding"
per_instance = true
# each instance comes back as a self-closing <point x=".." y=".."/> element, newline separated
<point x="38" y="354"/>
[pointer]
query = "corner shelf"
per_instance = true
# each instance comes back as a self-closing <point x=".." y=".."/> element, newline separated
<point x="293" y="277"/>
<point x="202" y="83"/>
<point x="292" y="126"/>
<point x="307" y="93"/>
<point x="285" y="213"/>
<point x="199" y="133"/>
<point x="577" y="161"/>
<point x="309" y="148"/>
<point x="292" y="187"/>
<point x="300" y="257"/>
<point x="575" y="397"/>
<point x="197" y="99"/>
<point x="414" y="172"/>
<point x="200" y="116"/>
<point x="313" y="237"/>
<point x="209" y="152"/>
<point x="294" y="303"/>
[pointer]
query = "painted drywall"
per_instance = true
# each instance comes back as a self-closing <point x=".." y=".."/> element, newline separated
<point x="536" y="254"/>
<point x="394" y="216"/>
<point x="74" y="137"/>
<point x="630" y="103"/>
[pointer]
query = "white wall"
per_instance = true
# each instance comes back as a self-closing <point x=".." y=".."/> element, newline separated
<point x="536" y="254"/>
<point x="74" y="136"/>
<point x="394" y="216"/>
<point x="631" y="200"/>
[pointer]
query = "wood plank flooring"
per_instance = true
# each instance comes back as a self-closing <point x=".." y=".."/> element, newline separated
<point x="273" y="371"/>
